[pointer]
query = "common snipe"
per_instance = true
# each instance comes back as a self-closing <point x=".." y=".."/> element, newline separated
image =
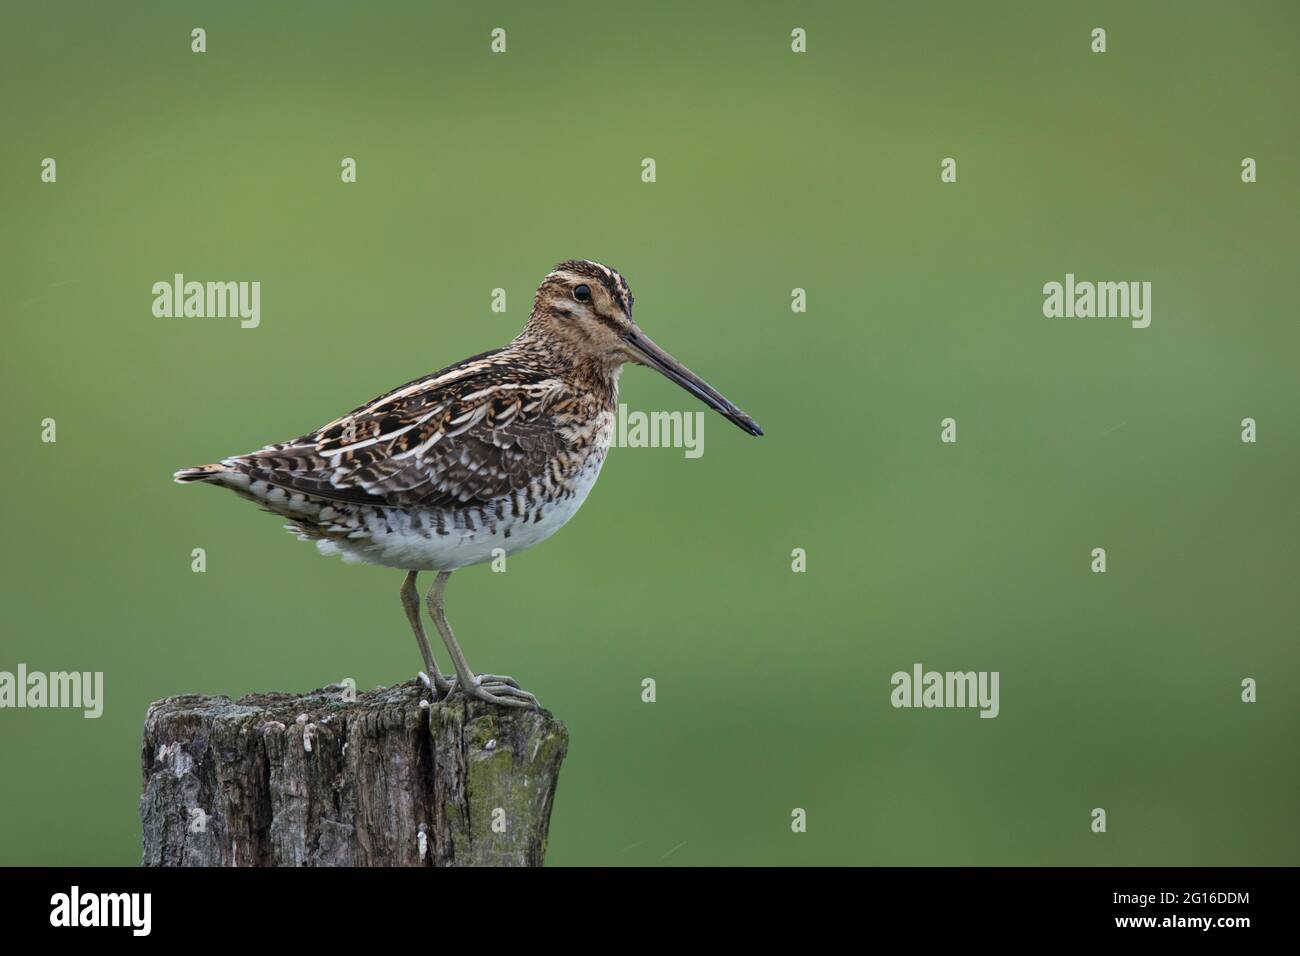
<point x="497" y="451"/>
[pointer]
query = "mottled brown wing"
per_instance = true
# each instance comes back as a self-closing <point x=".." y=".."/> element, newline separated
<point x="434" y="443"/>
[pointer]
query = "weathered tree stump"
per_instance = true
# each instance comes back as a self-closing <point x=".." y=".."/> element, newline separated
<point x="340" y="778"/>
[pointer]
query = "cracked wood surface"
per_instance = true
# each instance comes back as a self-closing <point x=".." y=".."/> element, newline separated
<point x="344" y="778"/>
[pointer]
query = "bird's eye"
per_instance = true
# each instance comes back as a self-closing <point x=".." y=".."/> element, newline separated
<point x="582" y="293"/>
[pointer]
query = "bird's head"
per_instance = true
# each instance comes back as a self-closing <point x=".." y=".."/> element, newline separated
<point x="585" y="308"/>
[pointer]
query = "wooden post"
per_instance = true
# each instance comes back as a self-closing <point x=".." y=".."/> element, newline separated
<point x="340" y="778"/>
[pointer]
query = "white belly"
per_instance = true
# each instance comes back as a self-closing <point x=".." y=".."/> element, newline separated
<point x="411" y="541"/>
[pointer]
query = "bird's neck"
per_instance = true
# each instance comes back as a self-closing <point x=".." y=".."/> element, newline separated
<point x="585" y="372"/>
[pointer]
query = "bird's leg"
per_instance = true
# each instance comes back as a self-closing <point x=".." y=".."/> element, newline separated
<point x="440" y="686"/>
<point x="491" y="688"/>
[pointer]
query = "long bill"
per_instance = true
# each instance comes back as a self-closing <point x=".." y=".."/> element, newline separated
<point x="656" y="358"/>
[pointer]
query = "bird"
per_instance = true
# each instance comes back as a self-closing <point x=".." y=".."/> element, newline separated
<point x="491" y="455"/>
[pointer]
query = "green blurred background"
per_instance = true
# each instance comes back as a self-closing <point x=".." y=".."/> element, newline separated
<point x="775" y="171"/>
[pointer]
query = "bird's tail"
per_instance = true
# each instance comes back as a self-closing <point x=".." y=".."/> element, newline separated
<point x="201" y="473"/>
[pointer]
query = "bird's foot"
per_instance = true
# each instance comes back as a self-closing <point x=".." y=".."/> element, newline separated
<point x="440" y="687"/>
<point x="497" y="689"/>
